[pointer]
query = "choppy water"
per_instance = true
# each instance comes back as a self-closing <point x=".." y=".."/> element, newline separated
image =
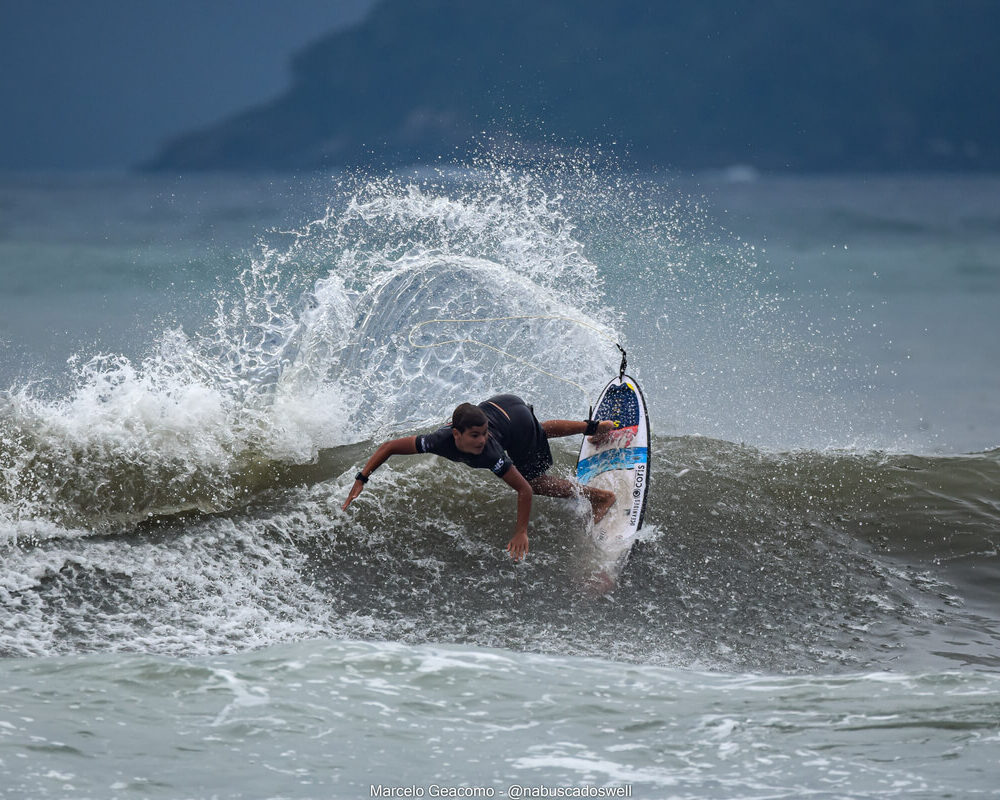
<point x="195" y="369"/>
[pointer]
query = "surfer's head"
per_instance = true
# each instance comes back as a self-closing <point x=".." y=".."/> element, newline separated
<point x="467" y="416"/>
<point x="470" y="429"/>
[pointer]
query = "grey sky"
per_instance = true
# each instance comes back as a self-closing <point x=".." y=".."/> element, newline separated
<point x="98" y="84"/>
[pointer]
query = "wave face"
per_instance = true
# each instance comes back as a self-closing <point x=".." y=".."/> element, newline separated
<point x="748" y="560"/>
<point x="189" y="501"/>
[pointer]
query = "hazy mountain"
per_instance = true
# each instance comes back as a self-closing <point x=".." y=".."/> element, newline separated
<point x="822" y="85"/>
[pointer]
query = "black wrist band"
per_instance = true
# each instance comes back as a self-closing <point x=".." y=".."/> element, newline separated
<point x="360" y="477"/>
<point x="591" y="427"/>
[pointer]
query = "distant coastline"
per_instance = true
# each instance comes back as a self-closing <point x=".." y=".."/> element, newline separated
<point x="771" y="84"/>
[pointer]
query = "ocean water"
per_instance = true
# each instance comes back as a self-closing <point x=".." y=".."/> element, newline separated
<point x="192" y="370"/>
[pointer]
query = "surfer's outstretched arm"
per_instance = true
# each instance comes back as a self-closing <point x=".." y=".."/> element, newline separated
<point x="556" y="428"/>
<point x="518" y="544"/>
<point x="407" y="446"/>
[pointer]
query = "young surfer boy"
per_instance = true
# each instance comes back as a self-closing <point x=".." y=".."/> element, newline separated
<point x="503" y="436"/>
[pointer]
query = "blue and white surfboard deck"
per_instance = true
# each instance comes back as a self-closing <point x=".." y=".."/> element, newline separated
<point x="618" y="462"/>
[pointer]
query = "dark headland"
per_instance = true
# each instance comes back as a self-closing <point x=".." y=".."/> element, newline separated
<point x="830" y="85"/>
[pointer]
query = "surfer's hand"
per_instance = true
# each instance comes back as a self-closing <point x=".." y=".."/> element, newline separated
<point x="604" y="427"/>
<point x="518" y="545"/>
<point x="355" y="491"/>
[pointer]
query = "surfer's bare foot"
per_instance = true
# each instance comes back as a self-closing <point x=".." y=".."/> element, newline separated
<point x="599" y="583"/>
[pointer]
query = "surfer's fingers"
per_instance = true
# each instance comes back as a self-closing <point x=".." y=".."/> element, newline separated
<point x="355" y="491"/>
<point x="604" y="427"/>
<point x="517" y="551"/>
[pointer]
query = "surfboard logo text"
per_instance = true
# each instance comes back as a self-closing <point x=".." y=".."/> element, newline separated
<point x="637" y="486"/>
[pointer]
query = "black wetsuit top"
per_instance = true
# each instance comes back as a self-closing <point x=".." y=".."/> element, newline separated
<point x="516" y="439"/>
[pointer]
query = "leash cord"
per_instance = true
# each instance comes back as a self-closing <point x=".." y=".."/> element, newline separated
<point x="505" y="354"/>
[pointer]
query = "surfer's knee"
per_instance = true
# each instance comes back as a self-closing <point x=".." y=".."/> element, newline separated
<point x="601" y="502"/>
<point x="601" y="499"/>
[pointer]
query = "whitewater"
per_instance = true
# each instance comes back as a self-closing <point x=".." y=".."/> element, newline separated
<point x="192" y="370"/>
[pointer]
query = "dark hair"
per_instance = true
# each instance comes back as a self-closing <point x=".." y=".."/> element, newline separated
<point x="467" y="416"/>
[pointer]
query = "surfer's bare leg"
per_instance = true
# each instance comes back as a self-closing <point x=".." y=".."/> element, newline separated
<point x="601" y="500"/>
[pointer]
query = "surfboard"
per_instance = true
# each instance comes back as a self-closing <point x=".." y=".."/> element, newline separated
<point x="618" y="462"/>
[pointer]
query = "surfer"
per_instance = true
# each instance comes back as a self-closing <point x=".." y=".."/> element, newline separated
<point x="502" y="435"/>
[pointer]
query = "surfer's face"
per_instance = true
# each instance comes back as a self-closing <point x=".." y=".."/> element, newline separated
<point x="472" y="440"/>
